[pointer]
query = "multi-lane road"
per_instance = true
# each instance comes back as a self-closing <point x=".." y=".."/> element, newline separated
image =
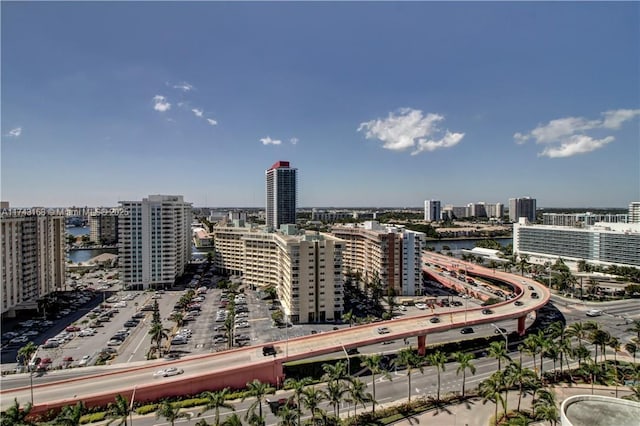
<point x="236" y="367"/>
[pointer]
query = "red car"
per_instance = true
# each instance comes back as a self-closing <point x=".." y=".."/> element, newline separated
<point x="72" y="328"/>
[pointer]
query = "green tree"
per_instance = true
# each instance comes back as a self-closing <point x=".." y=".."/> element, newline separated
<point x="523" y="263"/>
<point x="16" y="416"/>
<point x="158" y="334"/>
<point x="464" y="363"/>
<point x="357" y="395"/>
<point x="348" y="317"/>
<point x="170" y="412"/>
<point x="498" y="350"/>
<point x="635" y="328"/>
<point x="438" y="360"/>
<point x="491" y="390"/>
<point x="312" y="399"/>
<point x="335" y="372"/>
<point x="298" y="387"/>
<point x="335" y="391"/>
<point x="632" y="349"/>
<point x="70" y="415"/>
<point x="215" y="401"/>
<point x="374" y="364"/>
<point x="119" y="410"/>
<point x="545" y="408"/>
<point x="409" y="359"/>
<point x="259" y="391"/>
<point x="232" y="420"/>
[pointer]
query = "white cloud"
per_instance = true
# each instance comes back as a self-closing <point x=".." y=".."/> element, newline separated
<point x="568" y="136"/>
<point x="14" y="133"/>
<point x="269" y="141"/>
<point x="212" y="121"/>
<point x="408" y="128"/>
<point x="160" y="103"/>
<point x="197" y="112"/>
<point x="294" y="141"/>
<point x="184" y="86"/>
<point x="576" y="144"/>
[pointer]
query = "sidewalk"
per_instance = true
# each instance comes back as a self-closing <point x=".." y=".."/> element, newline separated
<point x="475" y="413"/>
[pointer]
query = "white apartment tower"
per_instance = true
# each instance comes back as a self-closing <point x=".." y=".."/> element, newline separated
<point x="154" y="241"/>
<point x="431" y="210"/>
<point x="634" y="212"/>
<point x="33" y="256"/>
<point x="281" y="194"/>
<point x="522" y="207"/>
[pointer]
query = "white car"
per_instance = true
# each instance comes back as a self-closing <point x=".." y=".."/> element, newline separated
<point x="421" y="306"/>
<point x="85" y="359"/>
<point x="594" y="313"/>
<point x="167" y="372"/>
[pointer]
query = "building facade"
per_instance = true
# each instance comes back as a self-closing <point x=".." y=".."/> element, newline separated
<point x="602" y="244"/>
<point x="581" y="219"/>
<point x="103" y="228"/>
<point x="154" y="241"/>
<point x="388" y="253"/>
<point x="304" y="268"/>
<point x="522" y="207"/>
<point x="634" y="212"/>
<point x="33" y="257"/>
<point x="281" y="194"/>
<point x="432" y="210"/>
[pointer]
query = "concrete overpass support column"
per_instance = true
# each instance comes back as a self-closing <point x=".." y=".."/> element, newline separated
<point x="278" y="373"/>
<point x="521" y="325"/>
<point x="422" y="340"/>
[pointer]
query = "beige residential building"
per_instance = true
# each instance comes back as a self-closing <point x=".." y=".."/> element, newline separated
<point x="103" y="227"/>
<point x="33" y="256"/>
<point x="391" y="253"/>
<point x="304" y="268"/>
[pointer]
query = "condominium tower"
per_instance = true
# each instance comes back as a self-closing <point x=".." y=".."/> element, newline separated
<point x="281" y="194"/>
<point x="522" y="207"/>
<point x="431" y="210"/>
<point x="304" y="268"/>
<point x="33" y="256"/>
<point x="392" y="254"/>
<point x="154" y="241"/>
<point x="103" y="227"/>
<point x="634" y="212"/>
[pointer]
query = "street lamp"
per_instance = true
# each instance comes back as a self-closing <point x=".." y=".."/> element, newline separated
<point x="506" y="338"/>
<point x="133" y="396"/>
<point x="348" y="369"/>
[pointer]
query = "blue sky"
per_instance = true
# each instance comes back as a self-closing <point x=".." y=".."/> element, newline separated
<point x="376" y="104"/>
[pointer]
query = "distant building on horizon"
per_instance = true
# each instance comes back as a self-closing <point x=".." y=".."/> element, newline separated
<point x="154" y="241"/>
<point x="432" y="210"/>
<point x="33" y="257"/>
<point x="634" y="212"/>
<point x="522" y="207"/>
<point x="103" y="228"/>
<point x="281" y="193"/>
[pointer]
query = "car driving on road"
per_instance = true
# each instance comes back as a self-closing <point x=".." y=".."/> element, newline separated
<point x="167" y="372"/>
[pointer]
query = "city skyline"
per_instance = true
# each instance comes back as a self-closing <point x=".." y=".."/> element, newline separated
<point x="376" y="104"/>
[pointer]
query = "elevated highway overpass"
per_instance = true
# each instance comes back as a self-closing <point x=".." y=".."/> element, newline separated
<point x="236" y="367"/>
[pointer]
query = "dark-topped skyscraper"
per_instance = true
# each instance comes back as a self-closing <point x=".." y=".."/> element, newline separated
<point x="281" y="194"/>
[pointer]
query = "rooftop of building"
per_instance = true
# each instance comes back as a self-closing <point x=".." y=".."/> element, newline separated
<point x="596" y="410"/>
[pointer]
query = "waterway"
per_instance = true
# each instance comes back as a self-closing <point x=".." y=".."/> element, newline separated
<point x="457" y="245"/>
<point x="77" y="231"/>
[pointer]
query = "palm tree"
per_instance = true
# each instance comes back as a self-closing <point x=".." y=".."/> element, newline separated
<point x="491" y="390"/>
<point x="298" y="391"/>
<point x="170" y="412"/>
<point x="232" y="420"/>
<point x="438" y="360"/>
<point x="464" y="363"/>
<point x="258" y="390"/>
<point x="374" y="364"/>
<point x="26" y="352"/>
<point x="614" y="343"/>
<point x="357" y="395"/>
<point x="119" y="410"/>
<point x="523" y="377"/>
<point x="545" y="407"/>
<point x="335" y="372"/>
<point x="544" y="345"/>
<point x="215" y="401"/>
<point x="498" y="350"/>
<point x="348" y="317"/>
<point x="523" y="263"/>
<point x="599" y="339"/>
<point x="287" y="416"/>
<point x="16" y="416"/>
<point x="335" y="391"/>
<point x="158" y="334"/>
<point x="635" y="328"/>
<point x="312" y="398"/>
<point x="582" y="354"/>
<point x="178" y="318"/>
<point x="71" y="414"/>
<point x="408" y="358"/>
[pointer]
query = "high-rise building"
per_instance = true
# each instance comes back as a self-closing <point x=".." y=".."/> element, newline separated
<point x="281" y="195"/>
<point x="603" y="244"/>
<point x="103" y="227"/>
<point x="431" y="210"/>
<point x="33" y="256"/>
<point x="634" y="212"/>
<point x="154" y="241"/>
<point x="522" y="207"/>
<point x="388" y="253"/>
<point x="304" y="268"/>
